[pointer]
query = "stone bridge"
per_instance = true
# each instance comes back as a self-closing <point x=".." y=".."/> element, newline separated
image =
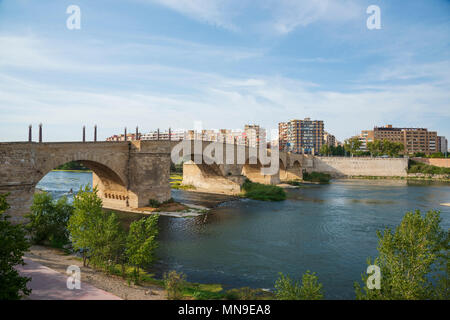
<point x="129" y="173"/>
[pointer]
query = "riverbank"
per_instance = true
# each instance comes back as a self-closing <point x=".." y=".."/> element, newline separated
<point x="415" y="177"/>
<point x="176" y="210"/>
<point x="59" y="260"/>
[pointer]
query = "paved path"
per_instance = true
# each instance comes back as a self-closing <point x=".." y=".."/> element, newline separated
<point x="48" y="284"/>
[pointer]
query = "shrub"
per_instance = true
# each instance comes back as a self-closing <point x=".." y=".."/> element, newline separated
<point x="409" y="258"/>
<point x="48" y="220"/>
<point x="153" y="203"/>
<point x="317" y="177"/>
<point x="309" y="289"/>
<point x="419" y="167"/>
<point x="13" y="245"/>
<point x="247" y="293"/>
<point x="174" y="283"/>
<point x="258" y="191"/>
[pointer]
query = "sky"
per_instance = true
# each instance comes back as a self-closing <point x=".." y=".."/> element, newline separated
<point x="174" y="63"/>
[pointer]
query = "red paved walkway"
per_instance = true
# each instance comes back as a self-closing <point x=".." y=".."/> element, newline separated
<point x="48" y="284"/>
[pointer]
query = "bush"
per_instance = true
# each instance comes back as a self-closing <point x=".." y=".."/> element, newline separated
<point x="48" y="220"/>
<point x="409" y="258"/>
<point x="247" y="293"/>
<point x="287" y="289"/>
<point x="317" y="177"/>
<point x="153" y="203"/>
<point x="73" y="166"/>
<point x="174" y="283"/>
<point x="420" y="167"/>
<point x="13" y="245"/>
<point x="258" y="191"/>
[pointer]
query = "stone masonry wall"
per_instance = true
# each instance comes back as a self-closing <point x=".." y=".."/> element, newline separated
<point x="344" y="167"/>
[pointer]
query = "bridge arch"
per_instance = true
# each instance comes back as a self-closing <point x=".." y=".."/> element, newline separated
<point x="111" y="185"/>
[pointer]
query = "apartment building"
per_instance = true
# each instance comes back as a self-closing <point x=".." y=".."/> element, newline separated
<point x="175" y="135"/>
<point x="365" y="137"/>
<point x="414" y="139"/>
<point x="254" y="135"/>
<point x="282" y="135"/>
<point x="329" y="139"/>
<point x="442" y="144"/>
<point x="302" y="136"/>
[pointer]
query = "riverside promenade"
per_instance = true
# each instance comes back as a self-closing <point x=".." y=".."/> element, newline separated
<point x="48" y="284"/>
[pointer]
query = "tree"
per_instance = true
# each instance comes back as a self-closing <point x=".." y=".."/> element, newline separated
<point x="13" y="245"/>
<point x="108" y="248"/>
<point x="391" y="148"/>
<point x="94" y="232"/>
<point x="287" y="289"/>
<point x="83" y="224"/>
<point x="374" y="147"/>
<point x="141" y="242"/>
<point x="325" y="149"/>
<point x="352" y="145"/>
<point x="48" y="219"/>
<point x="408" y="259"/>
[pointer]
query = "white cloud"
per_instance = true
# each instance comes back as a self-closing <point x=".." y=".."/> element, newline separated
<point x="280" y="16"/>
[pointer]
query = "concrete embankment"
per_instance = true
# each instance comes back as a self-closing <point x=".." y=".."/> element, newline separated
<point x="353" y="167"/>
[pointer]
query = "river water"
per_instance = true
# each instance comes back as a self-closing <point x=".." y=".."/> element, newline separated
<point x="328" y="229"/>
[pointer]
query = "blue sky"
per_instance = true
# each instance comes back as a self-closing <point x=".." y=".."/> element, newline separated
<point x="161" y="63"/>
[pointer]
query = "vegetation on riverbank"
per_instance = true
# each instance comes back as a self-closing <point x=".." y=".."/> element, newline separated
<point x="407" y="178"/>
<point x="264" y="192"/>
<point x="317" y="177"/>
<point x="13" y="245"/>
<point x="412" y="259"/>
<point x="72" y="166"/>
<point x="176" y="182"/>
<point x="420" y="167"/>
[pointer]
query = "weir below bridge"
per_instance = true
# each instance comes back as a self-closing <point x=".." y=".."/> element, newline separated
<point x="130" y="173"/>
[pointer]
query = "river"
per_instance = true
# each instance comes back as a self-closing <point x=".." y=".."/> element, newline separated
<point x="329" y="229"/>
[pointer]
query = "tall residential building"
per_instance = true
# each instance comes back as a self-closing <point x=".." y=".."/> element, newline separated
<point x="254" y="135"/>
<point x="302" y="136"/>
<point x="414" y="139"/>
<point x="365" y="137"/>
<point x="282" y="135"/>
<point x="329" y="139"/>
<point x="175" y="135"/>
<point x="442" y="144"/>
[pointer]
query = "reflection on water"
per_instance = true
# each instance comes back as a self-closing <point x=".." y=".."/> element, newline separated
<point x="328" y="229"/>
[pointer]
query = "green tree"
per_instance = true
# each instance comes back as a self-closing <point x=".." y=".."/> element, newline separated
<point x="325" y="150"/>
<point x="288" y="289"/>
<point x="48" y="219"/>
<point x="108" y="248"/>
<point x="83" y="224"/>
<point x="97" y="234"/>
<point x="409" y="258"/>
<point x="352" y="145"/>
<point x="13" y="245"/>
<point x="141" y="242"/>
<point x="391" y="148"/>
<point x="374" y="147"/>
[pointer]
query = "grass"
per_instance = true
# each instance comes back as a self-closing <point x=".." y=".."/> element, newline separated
<point x="317" y="177"/>
<point x="419" y="167"/>
<point x="175" y="183"/>
<point x="264" y="192"/>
